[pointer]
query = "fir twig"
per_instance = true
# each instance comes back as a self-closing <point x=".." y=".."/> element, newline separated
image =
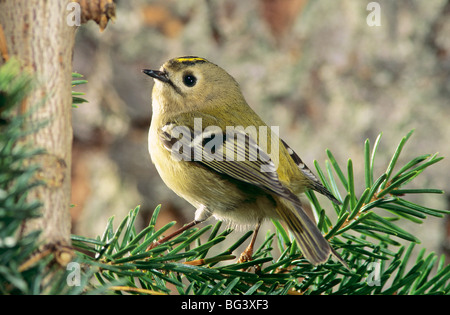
<point x="378" y="263"/>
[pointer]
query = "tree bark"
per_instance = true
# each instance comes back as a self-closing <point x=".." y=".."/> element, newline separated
<point x="37" y="33"/>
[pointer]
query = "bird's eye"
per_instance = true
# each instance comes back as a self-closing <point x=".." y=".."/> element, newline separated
<point x="189" y="80"/>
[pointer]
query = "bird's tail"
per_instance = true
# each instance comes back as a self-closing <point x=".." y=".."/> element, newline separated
<point x="313" y="245"/>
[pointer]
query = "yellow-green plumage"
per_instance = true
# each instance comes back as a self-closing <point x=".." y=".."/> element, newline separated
<point x="237" y="191"/>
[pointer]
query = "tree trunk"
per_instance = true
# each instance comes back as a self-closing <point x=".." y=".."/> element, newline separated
<point x="37" y="33"/>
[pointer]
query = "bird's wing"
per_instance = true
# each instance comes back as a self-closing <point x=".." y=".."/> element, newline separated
<point x="315" y="183"/>
<point x="233" y="153"/>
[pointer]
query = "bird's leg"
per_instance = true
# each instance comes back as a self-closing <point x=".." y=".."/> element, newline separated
<point x="248" y="252"/>
<point x="201" y="214"/>
<point x="169" y="237"/>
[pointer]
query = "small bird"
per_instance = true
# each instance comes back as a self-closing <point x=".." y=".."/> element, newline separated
<point x="214" y="151"/>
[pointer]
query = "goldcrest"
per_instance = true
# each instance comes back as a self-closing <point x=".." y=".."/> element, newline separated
<point x="214" y="151"/>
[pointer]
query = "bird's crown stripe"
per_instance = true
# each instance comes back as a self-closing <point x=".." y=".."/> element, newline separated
<point x="190" y="59"/>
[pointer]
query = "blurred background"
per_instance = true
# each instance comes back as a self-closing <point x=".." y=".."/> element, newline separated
<point x="316" y="69"/>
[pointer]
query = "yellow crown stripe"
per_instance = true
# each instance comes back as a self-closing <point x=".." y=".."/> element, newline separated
<point x="189" y="59"/>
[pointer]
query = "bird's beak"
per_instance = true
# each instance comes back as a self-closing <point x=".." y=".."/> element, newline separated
<point x="156" y="74"/>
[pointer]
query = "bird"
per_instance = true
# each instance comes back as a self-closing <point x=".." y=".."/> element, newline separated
<point x="213" y="150"/>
